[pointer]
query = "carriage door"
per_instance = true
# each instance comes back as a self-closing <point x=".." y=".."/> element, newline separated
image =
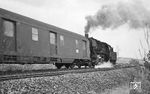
<point x="53" y="43"/>
<point x="8" y="36"/>
<point x="84" y="48"/>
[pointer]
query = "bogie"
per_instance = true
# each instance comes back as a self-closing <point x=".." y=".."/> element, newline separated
<point x="58" y="65"/>
<point x="67" y="66"/>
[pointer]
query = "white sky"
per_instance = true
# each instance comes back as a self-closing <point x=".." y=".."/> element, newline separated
<point x="70" y="15"/>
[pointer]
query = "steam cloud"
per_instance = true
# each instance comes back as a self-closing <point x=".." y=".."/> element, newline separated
<point x="112" y="16"/>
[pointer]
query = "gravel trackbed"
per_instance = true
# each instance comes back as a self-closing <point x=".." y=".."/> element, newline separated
<point x="77" y="83"/>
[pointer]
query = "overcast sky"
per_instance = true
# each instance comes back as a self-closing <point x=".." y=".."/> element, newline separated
<point x="70" y="15"/>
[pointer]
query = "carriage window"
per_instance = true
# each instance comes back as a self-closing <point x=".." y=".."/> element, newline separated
<point x="35" y="34"/>
<point x="77" y="43"/>
<point x="84" y="48"/>
<point x="61" y="40"/>
<point x="52" y="38"/>
<point x="9" y="28"/>
<point x="84" y="45"/>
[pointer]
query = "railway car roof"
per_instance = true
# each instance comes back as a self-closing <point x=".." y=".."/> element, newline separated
<point x="20" y="18"/>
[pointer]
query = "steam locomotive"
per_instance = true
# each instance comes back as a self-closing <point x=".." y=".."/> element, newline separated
<point x="24" y="40"/>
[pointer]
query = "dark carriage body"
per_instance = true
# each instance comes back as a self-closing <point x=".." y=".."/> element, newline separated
<point x="25" y="40"/>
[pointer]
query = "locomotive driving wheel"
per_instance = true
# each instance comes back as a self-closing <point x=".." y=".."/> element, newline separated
<point x="90" y="65"/>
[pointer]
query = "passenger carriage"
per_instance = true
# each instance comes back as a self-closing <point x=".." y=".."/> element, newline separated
<point x="27" y="41"/>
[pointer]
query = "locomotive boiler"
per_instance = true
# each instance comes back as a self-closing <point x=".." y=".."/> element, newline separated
<point x="101" y="52"/>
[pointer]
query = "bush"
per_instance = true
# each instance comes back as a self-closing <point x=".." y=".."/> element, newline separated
<point x="134" y="62"/>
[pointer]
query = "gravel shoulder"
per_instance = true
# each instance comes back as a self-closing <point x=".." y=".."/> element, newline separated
<point x="77" y="83"/>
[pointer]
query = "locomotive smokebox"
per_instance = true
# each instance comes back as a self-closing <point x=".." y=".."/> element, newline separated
<point x="86" y="35"/>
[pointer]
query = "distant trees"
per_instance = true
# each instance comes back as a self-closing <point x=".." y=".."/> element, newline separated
<point x="144" y="49"/>
<point x="117" y="50"/>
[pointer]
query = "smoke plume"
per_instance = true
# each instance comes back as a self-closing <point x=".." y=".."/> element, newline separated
<point x="104" y="65"/>
<point x="112" y="16"/>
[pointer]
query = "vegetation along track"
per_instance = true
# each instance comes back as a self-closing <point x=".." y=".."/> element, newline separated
<point x="54" y="72"/>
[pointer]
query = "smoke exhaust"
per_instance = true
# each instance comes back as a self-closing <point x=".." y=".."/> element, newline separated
<point x="113" y="16"/>
<point x="86" y="35"/>
<point x="104" y="65"/>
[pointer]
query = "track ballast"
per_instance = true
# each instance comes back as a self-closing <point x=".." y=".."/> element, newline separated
<point x="53" y="72"/>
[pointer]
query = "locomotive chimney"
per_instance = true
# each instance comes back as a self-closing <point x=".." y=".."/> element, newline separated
<point x="86" y="35"/>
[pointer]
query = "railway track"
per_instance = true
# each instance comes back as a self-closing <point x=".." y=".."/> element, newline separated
<point x="53" y="72"/>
